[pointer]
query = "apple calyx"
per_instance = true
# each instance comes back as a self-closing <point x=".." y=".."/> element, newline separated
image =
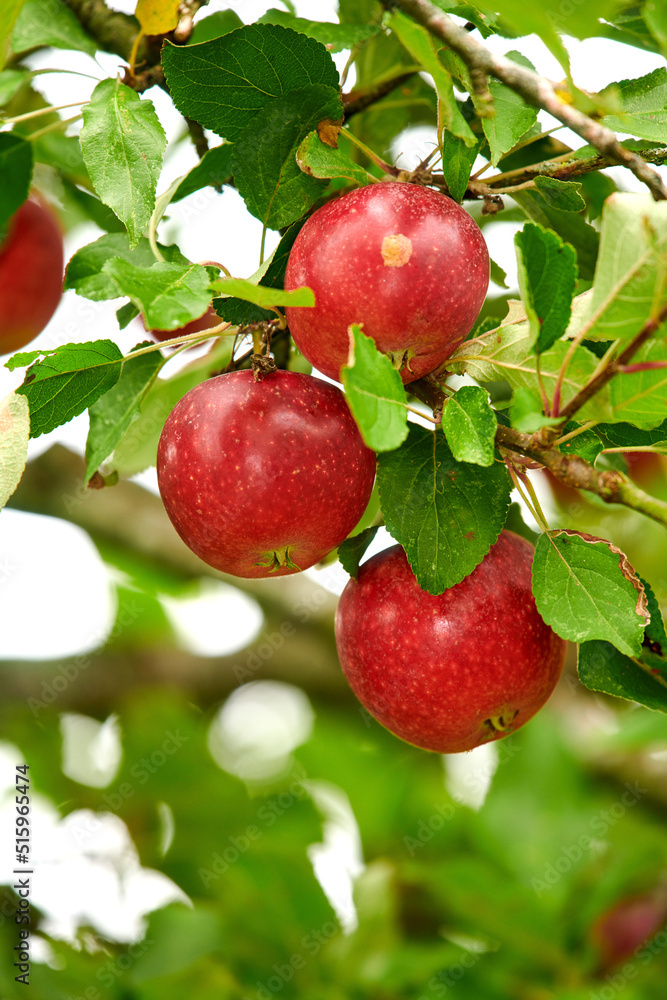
<point x="502" y="723"/>
<point x="401" y="361"/>
<point x="278" y="559"/>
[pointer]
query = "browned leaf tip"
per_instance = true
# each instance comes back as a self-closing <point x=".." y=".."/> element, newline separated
<point x="625" y="567"/>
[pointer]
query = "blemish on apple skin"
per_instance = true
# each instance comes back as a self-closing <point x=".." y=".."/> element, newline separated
<point x="469" y="536"/>
<point x="396" y="250"/>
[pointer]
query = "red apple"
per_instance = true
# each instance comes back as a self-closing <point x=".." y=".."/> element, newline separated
<point x="263" y="478"/>
<point x="209" y="319"/>
<point x="451" y="671"/>
<point x="31" y="274"/>
<point x="622" y="931"/>
<point x="407" y="263"/>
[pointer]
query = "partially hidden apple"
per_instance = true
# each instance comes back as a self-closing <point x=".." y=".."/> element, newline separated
<point x="626" y="927"/>
<point x="205" y="322"/>
<point x="263" y="478"/>
<point x="31" y="274"/>
<point x="448" y="672"/>
<point x="407" y="263"/>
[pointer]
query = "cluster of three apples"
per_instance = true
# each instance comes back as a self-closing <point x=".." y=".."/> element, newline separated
<point x="264" y="475"/>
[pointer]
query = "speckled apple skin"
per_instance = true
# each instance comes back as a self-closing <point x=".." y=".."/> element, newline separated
<point x="31" y="274"/>
<point x="247" y="468"/>
<point x="426" y="305"/>
<point x="433" y="669"/>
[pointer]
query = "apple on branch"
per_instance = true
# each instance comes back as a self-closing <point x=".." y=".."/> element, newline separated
<point x="408" y="264"/>
<point x="31" y="274"/>
<point x="263" y="477"/>
<point x="448" y="672"/>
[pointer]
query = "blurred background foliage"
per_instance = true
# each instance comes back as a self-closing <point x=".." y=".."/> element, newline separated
<point x="304" y="851"/>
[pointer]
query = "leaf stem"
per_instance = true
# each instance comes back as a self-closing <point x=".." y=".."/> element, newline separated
<point x="578" y="430"/>
<point x="518" y="479"/>
<point x="161" y="203"/>
<point x="42" y="111"/>
<point x="373" y="157"/>
<point x="632" y="448"/>
<point x="188" y="338"/>
<point x="607" y="369"/>
<point x="61" y="123"/>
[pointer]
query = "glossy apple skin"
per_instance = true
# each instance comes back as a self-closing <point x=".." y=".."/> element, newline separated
<point x="31" y="274"/>
<point x="209" y="319"/>
<point x="434" y="669"/>
<point x="406" y="262"/>
<point x="247" y="469"/>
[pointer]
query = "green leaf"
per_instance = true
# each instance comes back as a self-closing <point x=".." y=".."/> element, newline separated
<point x="94" y="209"/>
<point x="586" y="445"/>
<point x="457" y="162"/>
<point x="11" y="80"/>
<point x="506" y="354"/>
<point x="215" y="25"/>
<point x="63" y="152"/>
<point x="630" y="283"/>
<point x="655" y="16"/>
<point x="14" y="436"/>
<point x="641" y="397"/>
<point x="585" y="589"/>
<point x="16" y="173"/>
<point x="336" y="37"/>
<point x="655" y="637"/>
<point x="375" y="394"/>
<point x="224" y="83"/>
<point x="22" y="359"/>
<point x="470" y="425"/>
<point x="113" y="413"/>
<point x="180" y="935"/>
<point x="602" y="667"/>
<point x="126" y="314"/>
<point x="527" y="413"/>
<point x="497" y="274"/>
<point x="214" y="169"/>
<point x="54" y="26"/>
<point x="582" y="20"/>
<point x="236" y="310"/>
<point x="512" y="117"/>
<point x="123" y="145"/>
<point x="446" y="514"/>
<point x="645" y="106"/>
<point x="563" y="195"/>
<point x="85" y="271"/>
<point x="629" y="27"/>
<point x="424" y="49"/>
<point x="353" y="550"/>
<point x="68" y="381"/>
<point x="627" y="436"/>
<point x="137" y="449"/>
<point x="318" y="159"/>
<point x="266" y="172"/>
<point x="168" y="295"/>
<point x="570" y="227"/>
<point x="9" y="11"/>
<point x="264" y="297"/>
<point x="547" y="270"/>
